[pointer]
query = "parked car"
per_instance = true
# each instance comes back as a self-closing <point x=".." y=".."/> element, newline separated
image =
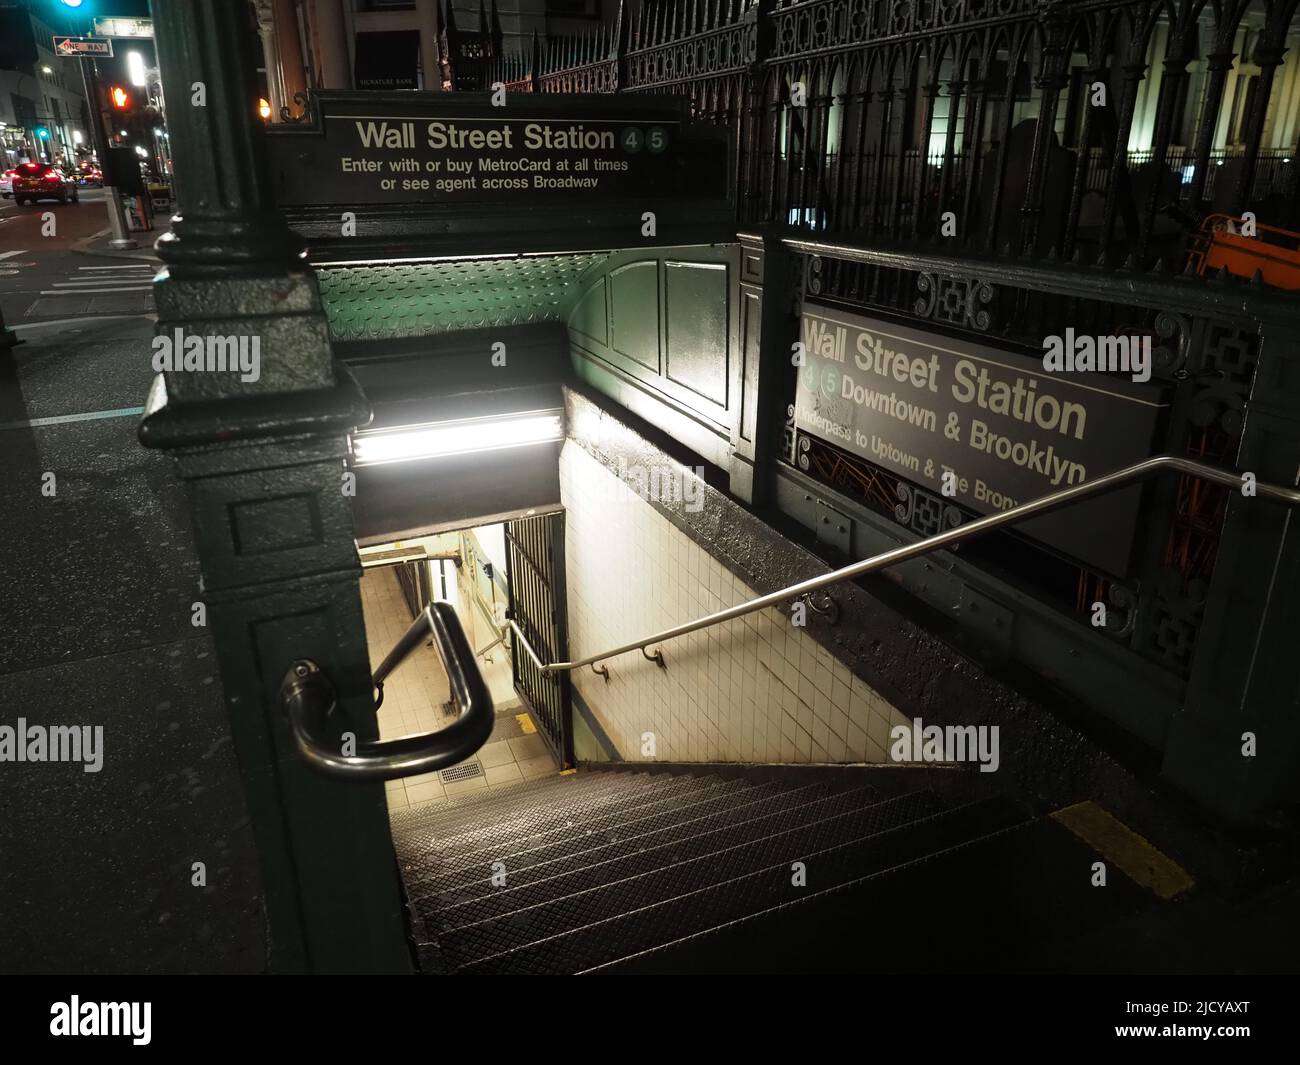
<point x="89" y="175"/>
<point x="7" y="182"/>
<point x="43" y="181"/>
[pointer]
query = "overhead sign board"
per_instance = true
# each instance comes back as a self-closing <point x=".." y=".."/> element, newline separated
<point x="116" y="26"/>
<point x="922" y="405"/>
<point x="428" y="148"/>
<point x="83" y="46"/>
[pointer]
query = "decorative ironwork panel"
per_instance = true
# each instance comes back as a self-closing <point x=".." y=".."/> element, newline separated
<point x="955" y="301"/>
<point x="1177" y="609"/>
<point x="924" y="512"/>
<point x="805" y="27"/>
<point x="726" y="50"/>
<point x="1227" y="369"/>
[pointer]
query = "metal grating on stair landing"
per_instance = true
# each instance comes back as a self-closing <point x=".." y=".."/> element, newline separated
<point x="603" y="868"/>
<point x="464" y="771"/>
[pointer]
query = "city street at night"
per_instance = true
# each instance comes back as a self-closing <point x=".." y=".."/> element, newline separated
<point x="741" y="488"/>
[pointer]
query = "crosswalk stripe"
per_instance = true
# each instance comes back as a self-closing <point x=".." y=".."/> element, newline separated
<point x="63" y="419"/>
<point x="69" y="323"/>
<point x="93" y="291"/>
<point x="133" y="266"/>
<point x="102" y="281"/>
<point x="11" y="254"/>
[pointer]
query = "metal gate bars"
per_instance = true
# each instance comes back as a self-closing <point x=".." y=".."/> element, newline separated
<point x="535" y="577"/>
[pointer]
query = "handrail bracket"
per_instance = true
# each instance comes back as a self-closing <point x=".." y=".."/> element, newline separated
<point x="829" y="608"/>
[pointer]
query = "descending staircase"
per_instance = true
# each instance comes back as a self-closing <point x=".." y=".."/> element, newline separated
<point x="625" y="870"/>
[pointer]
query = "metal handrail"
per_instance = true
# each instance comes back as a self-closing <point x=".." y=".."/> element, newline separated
<point x="501" y="636"/>
<point x="1052" y="501"/>
<point x="308" y="698"/>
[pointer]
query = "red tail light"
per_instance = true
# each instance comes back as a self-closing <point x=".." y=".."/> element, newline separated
<point x="52" y="177"/>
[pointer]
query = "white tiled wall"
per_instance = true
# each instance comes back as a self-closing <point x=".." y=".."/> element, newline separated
<point x="414" y="694"/>
<point x="755" y="689"/>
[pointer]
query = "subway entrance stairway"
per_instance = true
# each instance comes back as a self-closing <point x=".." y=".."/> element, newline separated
<point x="637" y="868"/>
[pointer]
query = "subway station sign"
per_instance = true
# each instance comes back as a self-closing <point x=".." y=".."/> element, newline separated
<point x="922" y="405"/>
<point x="433" y="148"/>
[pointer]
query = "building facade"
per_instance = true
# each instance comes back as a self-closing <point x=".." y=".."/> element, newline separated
<point x="42" y="101"/>
<point x="405" y="44"/>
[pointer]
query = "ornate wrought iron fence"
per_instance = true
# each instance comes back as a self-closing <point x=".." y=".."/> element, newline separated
<point x="1096" y="128"/>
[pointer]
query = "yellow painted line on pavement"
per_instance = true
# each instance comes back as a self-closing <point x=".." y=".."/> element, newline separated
<point x="1137" y="856"/>
<point x="526" y="724"/>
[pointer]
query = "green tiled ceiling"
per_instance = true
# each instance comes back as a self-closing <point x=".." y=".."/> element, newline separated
<point x="420" y="299"/>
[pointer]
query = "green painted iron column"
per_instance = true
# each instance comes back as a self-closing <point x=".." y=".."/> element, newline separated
<point x="261" y="451"/>
<point x="768" y="327"/>
<point x="1235" y="744"/>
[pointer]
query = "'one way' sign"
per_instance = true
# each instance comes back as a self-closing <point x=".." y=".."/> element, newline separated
<point x="79" y="46"/>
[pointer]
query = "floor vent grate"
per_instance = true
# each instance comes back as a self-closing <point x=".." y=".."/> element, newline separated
<point x="464" y="771"/>
<point x="449" y="709"/>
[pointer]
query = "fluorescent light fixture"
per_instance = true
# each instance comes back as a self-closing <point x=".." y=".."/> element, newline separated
<point x="135" y="69"/>
<point x="460" y="437"/>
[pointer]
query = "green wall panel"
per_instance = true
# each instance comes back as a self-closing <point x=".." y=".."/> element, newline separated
<point x="695" y="321"/>
<point x="668" y="351"/>
<point x="588" y="319"/>
<point x="634" y="312"/>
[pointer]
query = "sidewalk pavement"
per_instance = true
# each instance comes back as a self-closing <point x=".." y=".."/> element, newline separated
<point x="100" y="583"/>
<point x="97" y="244"/>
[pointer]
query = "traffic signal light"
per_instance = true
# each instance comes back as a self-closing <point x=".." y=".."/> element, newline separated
<point x="119" y="98"/>
<point x="43" y="133"/>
